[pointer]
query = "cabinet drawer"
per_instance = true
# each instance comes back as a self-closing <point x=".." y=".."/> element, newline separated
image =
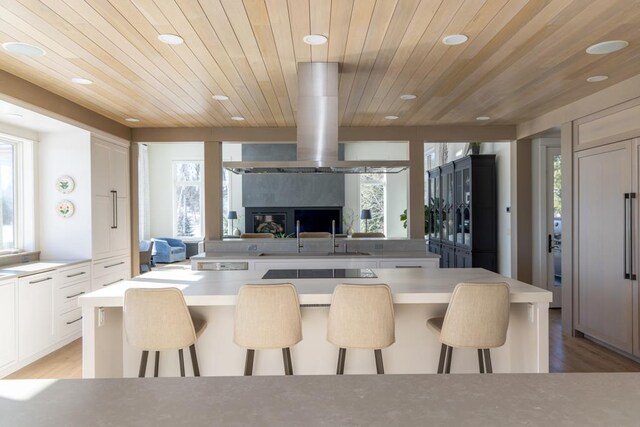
<point x="110" y="266"/>
<point x="407" y="264"/>
<point x="70" y="323"/>
<point x="40" y="278"/>
<point x="109" y="279"/>
<point x="69" y="276"/>
<point x="67" y="297"/>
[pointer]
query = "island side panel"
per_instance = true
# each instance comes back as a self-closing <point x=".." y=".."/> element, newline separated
<point x="102" y="344"/>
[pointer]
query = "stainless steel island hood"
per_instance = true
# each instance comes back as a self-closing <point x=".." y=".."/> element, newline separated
<point x="317" y="131"/>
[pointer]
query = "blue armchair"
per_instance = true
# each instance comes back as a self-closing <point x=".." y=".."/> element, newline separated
<point x="166" y="249"/>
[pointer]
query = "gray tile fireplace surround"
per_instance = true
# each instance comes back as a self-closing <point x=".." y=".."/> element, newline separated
<point x="317" y="245"/>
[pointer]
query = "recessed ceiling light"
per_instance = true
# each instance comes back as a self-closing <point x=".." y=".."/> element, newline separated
<point x="23" y="49"/>
<point x="594" y="79"/>
<point x="391" y="117"/>
<point x="12" y="115"/>
<point x="314" y="39"/>
<point x="170" y="39"/>
<point x="455" y="39"/>
<point x="237" y="118"/>
<point x="81" y="81"/>
<point x="407" y="97"/>
<point x="220" y="97"/>
<point x="483" y="118"/>
<point x="607" y="47"/>
<point x="132" y="120"/>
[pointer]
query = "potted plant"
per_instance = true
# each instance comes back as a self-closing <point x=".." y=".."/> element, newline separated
<point x="404" y="219"/>
<point x="473" y="148"/>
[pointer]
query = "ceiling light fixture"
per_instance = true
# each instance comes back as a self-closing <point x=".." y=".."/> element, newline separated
<point x="81" y="81"/>
<point x="314" y="39"/>
<point x="607" y="47"/>
<point x="23" y="49"/>
<point x="132" y="119"/>
<point x="454" y="39"/>
<point x="220" y="97"/>
<point x="407" y="97"/>
<point x="237" y="118"/>
<point x="594" y="79"/>
<point x="483" y="118"/>
<point x="391" y="117"/>
<point x="170" y="39"/>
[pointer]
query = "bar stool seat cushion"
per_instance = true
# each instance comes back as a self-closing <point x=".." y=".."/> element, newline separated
<point x="361" y="316"/>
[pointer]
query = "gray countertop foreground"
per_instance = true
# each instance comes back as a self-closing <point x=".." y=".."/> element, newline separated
<point x="426" y="400"/>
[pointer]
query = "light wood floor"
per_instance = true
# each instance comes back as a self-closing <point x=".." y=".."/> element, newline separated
<point x="566" y="354"/>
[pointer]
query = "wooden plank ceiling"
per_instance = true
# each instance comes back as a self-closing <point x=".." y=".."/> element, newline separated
<point x="523" y="57"/>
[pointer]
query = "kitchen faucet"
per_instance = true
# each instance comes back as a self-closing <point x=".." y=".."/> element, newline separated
<point x="298" y="243"/>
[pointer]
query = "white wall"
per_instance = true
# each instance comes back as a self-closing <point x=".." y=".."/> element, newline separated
<point x="397" y="184"/>
<point x="161" y="157"/>
<point x="64" y="153"/>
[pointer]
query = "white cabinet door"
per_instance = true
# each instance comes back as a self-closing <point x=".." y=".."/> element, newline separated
<point x="100" y="155"/>
<point x="605" y="304"/>
<point x="8" y="327"/>
<point x="35" y="313"/>
<point x="102" y="217"/>
<point x="119" y="235"/>
<point x="119" y="170"/>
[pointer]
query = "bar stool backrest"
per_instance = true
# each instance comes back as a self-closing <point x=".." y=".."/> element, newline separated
<point x="267" y="316"/>
<point x="361" y="316"/>
<point x="477" y="316"/>
<point x="157" y="319"/>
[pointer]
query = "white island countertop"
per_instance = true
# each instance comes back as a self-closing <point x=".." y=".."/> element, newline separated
<point x="219" y="288"/>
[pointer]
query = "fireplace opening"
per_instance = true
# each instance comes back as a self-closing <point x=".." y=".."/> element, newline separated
<point x="281" y="222"/>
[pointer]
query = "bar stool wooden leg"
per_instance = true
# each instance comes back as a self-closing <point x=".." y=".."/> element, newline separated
<point x="286" y="358"/>
<point x="379" y="363"/>
<point x="487" y="359"/>
<point x="181" y="356"/>
<point x="194" y="360"/>
<point x="447" y="369"/>
<point x="143" y="363"/>
<point x="157" y="365"/>
<point x="342" y="354"/>
<point x="248" y="363"/>
<point x="480" y="361"/>
<point x="443" y="354"/>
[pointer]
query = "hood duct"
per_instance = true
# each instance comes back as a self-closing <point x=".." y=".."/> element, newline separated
<point x="317" y="131"/>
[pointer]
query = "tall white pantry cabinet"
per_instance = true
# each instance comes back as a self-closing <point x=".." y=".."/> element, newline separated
<point x="111" y="249"/>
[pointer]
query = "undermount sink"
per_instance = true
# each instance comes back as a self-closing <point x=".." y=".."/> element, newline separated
<point x="327" y="254"/>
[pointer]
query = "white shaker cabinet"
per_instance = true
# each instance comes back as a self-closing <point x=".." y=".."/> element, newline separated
<point x="110" y="199"/>
<point x="8" y="325"/>
<point x="36" y="326"/>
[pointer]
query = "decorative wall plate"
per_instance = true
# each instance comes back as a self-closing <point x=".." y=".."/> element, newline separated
<point x="65" y="208"/>
<point x="65" y="184"/>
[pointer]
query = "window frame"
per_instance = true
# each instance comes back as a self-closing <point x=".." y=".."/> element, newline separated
<point x="19" y="191"/>
<point x="174" y="185"/>
<point x="383" y="183"/>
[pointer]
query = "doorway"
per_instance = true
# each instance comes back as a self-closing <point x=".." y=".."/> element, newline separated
<point x="553" y="192"/>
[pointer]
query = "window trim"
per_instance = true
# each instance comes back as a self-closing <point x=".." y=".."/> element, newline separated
<point x="19" y="191"/>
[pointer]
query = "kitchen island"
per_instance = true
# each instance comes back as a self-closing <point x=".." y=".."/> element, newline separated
<point x="418" y="295"/>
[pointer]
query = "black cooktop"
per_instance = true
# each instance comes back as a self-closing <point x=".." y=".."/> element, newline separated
<point x="325" y="273"/>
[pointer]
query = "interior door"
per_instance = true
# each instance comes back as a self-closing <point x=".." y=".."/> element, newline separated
<point x="603" y="181"/>
<point x="554" y="225"/>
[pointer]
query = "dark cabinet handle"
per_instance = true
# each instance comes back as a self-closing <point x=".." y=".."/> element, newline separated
<point x="113" y="265"/>
<point x="40" y="281"/>
<point x="74" y="321"/>
<point x="75" y="295"/>
<point x="76" y="275"/>
<point x="114" y="207"/>
<point x="549" y="243"/>
<point x="632" y="274"/>
<point x="107" y="284"/>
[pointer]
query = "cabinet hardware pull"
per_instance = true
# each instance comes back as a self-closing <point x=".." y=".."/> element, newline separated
<point x="116" y="208"/>
<point x="632" y="274"/>
<point x="76" y="274"/>
<point x="75" y="295"/>
<point x="33" y="282"/>
<point x="74" y="321"/>
<point x="113" y="209"/>
<point x="113" y="265"/>
<point x="625" y="243"/>
<point x="107" y="284"/>
<point x="408" y="266"/>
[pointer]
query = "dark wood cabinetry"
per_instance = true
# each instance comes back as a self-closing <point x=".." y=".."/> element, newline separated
<point x="463" y="212"/>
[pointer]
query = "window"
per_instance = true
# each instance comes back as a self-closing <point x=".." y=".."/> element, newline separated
<point x="8" y="173"/>
<point x="187" y="198"/>
<point x="373" y="187"/>
<point x="226" y="196"/>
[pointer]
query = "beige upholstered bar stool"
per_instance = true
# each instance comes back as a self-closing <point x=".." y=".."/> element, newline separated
<point x="157" y="319"/>
<point x="361" y="317"/>
<point x="477" y="317"/>
<point x="267" y="317"/>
